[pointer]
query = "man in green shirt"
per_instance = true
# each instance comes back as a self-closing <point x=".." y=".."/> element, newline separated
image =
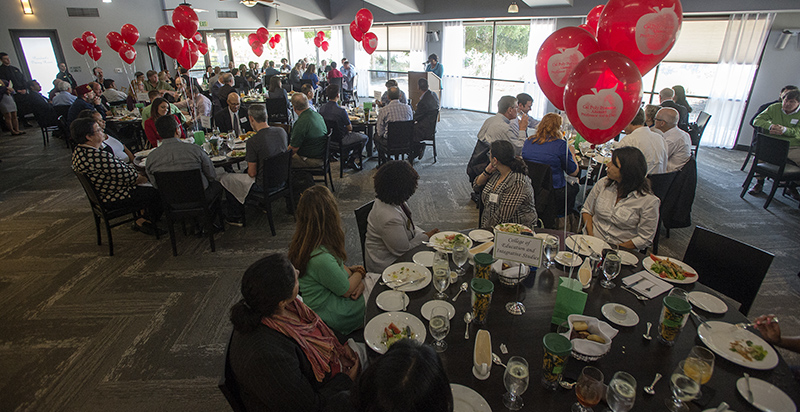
<point x="782" y="121"/>
<point x="153" y="83"/>
<point x="309" y="135"/>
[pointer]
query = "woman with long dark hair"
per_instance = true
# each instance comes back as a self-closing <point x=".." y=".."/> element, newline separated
<point x="311" y="74"/>
<point x="505" y="188"/>
<point x="282" y="354"/>
<point x="621" y="209"/>
<point x="330" y="288"/>
<point x="680" y="97"/>
<point x="160" y="107"/>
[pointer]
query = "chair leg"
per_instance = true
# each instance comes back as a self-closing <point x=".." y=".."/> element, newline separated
<point x="434" y="151"/>
<point x="110" y="240"/>
<point x="747" y="159"/>
<point x="97" y="229"/>
<point x="269" y="217"/>
<point x="330" y="177"/>
<point x="775" y="184"/>
<point x="746" y="183"/>
<point x="171" y="223"/>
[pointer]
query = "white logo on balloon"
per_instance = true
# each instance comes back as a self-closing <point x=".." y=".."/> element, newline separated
<point x="130" y="54"/>
<point x="560" y="65"/>
<point x="654" y="31"/>
<point x="601" y="109"/>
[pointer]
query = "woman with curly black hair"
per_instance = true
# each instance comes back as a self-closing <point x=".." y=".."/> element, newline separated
<point x="390" y="229"/>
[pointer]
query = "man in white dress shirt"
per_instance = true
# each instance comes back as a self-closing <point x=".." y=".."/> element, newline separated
<point x="503" y="126"/>
<point x="679" y="144"/>
<point x="650" y="143"/>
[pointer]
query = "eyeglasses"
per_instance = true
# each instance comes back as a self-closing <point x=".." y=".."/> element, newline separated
<point x="660" y="120"/>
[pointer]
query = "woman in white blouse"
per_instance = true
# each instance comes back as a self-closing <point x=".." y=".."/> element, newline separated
<point x="390" y="229"/>
<point x="621" y="209"/>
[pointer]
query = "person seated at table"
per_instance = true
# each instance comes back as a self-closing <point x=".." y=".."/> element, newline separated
<point x="295" y="75"/>
<point x="111" y="144"/>
<point x="308" y="91"/>
<point x="269" y="68"/>
<point x="503" y="125"/>
<point x="161" y="109"/>
<point x="116" y="182"/>
<point x="621" y="209"/>
<point x="153" y="95"/>
<point x="333" y="72"/>
<point x="86" y="100"/>
<point x="425" y="117"/>
<point x="282" y="355"/>
<point x="285" y="67"/>
<point x="331" y="111"/>
<point x="276" y="90"/>
<point x="390" y="230"/>
<point x="782" y="121"/>
<point x="154" y="83"/>
<point x="505" y="189"/>
<point x="650" y="143"/>
<point x="548" y="147"/>
<point x="233" y="118"/>
<point x="311" y="74"/>
<point x="385" y="97"/>
<point x="771" y="332"/>
<point x="240" y="82"/>
<point x="111" y="94"/>
<point x="393" y="112"/>
<point x="317" y="250"/>
<point x="196" y="103"/>
<point x="309" y="135"/>
<point x="227" y="88"/>
<point x="650" y="111"/>
<point x="64" y="97"/>
<point x="267" y="142"/>
<point x="409" y="377"/>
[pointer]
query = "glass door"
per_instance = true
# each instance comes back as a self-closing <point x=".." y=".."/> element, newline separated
<point x="219" y="48"/>
<point x="38" y="54"/>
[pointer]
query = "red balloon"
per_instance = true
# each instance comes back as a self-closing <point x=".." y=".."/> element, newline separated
<point x="202" y="48"/>
<point x="114" y="40"/>
<point x="588" y="29"/>
<point x="169" y="41"/>
<point x="89" y="38"/>
<point x="602" y="95"/>
<point x="593" y="18"/>
<point x="130" y="33"/>
<point x="370" y="42"/>
<point x="321" y="34"/>
<point x="559" y="54"/>
<point x="643" y="30"/>
<point x="258" y="49"/>
<point x="263" y="35"/>
<point x="364" y="20"/>
<point x="277" y="38"/>
<point x="355" y="31"/>
<point x="127" y="53"/>
<point x="272" y="42"/>
<point x="185" y="20"/>
<point x="94" y="52"/>
<point x="317" y="41"/>
<point x="79" y="45"/>
<point x="252" y="39"/>
<point x="187" y="57"/>
<point x="324" y="46"/>
<point x="197" y="38"/>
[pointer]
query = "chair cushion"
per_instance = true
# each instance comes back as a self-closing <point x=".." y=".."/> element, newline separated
<point x="791" y="172"/>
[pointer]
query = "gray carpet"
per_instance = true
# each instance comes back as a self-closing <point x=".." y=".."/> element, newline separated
<point x="143" y="330"/>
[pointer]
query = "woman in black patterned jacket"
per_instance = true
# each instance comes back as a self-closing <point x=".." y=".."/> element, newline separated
<point x="505" y="189"/>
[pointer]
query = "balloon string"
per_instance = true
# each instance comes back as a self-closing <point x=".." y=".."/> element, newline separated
<point x="88" y="67"/>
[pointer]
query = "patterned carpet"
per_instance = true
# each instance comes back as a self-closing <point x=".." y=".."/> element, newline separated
<point x="143" y="330"/>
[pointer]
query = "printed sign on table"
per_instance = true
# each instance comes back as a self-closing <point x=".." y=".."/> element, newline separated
<point x="518" y="248"/>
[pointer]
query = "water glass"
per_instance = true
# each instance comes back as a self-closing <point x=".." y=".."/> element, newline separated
<point x="621" y="392"/>
<point x="441" y="274"/>
<point x="550" y="249"/>
<point x="684" y="388"/>
<point x="516" y="382"/>
<point x="589" y="389"/>
<point x="460" y="257"/>
<point x="439" y="326"/>
<point x="612" y="265"/>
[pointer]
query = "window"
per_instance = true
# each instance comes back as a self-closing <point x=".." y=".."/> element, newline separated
<point x="392" y="58"/>
<point x="243" y="53"/>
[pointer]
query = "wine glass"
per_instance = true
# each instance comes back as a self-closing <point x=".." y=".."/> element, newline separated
<point x="441" y="274"/>
<point x="550" y="249"/>
<point x="612" y="264"/>
<point x="460" y="256"/>
<point x="699" y="364"/>
<point x="589" y="389"/>
<point x="439" y="325"/>
<point x="516" y="381"/>
<point x="684" y="388"/>
<point x="621" y="393"/>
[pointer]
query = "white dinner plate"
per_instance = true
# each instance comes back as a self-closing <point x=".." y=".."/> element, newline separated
<point x="648" y="261"/>
<point x="564" y="259"/>
<point x="392" y="300"/>
<point x="467" y="400"/>
<point x="718" y="336"/>
<point x="142" y="153"/>
<point x="620" y="314"/>
<point x="404" y="272"/>
<point x="512" y="228"/>
<point x="439" y="241"/>
<point x="373" y="332"/>
<point x="544" y="236"/>
<point x="218" y="158"/>
<point x="242" y="152"/>
<point x="628" y="258"/>
<point x="480" y="235"/>
<point x="424" y="258"/>
<point x="707" y="302"/>
<point x="428" y="307"/>
<point x="595" y="244"/>
<point x="766" y="396"/>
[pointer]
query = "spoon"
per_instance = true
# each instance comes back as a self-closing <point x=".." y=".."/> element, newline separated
<point x="647" y="333"/>
<point x="566" y="385"/>
<point x="467" y="320"/>
<point x="649" y="389"/>
<point x="463" y="288"/>
<point x="496" y="360"/>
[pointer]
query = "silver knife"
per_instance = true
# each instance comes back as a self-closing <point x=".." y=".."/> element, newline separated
<point x="749" y="391"/>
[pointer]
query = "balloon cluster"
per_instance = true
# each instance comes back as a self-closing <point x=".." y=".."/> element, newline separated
<point x="319" y="41"/>
<point x="261" y="37"/>
<point x="87" y="43"/>
<point x="594" y="71"/>
<point x="122" y="42"/>
<point x="182" y="42"/>
<point x="359" y="29"/>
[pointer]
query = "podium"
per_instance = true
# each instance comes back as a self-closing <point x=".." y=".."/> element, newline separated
<point x="434" y="85"/>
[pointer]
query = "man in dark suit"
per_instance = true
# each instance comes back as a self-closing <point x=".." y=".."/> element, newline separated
<point x="425" y="116"/>
<point x="666" y="96"/>
<point x="233" y="118"/>
<point x="226" y="89"/>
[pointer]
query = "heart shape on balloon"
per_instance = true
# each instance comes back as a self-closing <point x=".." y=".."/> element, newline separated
<point x="557" y="56"/>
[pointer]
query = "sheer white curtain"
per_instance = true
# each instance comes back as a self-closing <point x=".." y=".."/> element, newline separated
<point x="362" y="63"/>
<point x="336" y="43"/>
<point x="418" y="52"/>
<point x="540" y="29"/>
<point x="744" y="43"/>
<point x="296" y="41"/>
<point x="453" y="62"/>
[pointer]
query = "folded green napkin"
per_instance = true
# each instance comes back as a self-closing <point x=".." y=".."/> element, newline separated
<point x="570" y="299"/>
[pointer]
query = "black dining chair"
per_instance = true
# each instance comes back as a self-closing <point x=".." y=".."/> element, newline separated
<point x="276" y="177"/>
<point x="426" y="132"/>
<point x="336" y="147"/>
<point x="277" y="110"/>
<point x="228" y="385"/>
<point x="184" y="197"/>
<point x="62" y="113"/>
<point x="109" y="215"/>
<point x="399" y="137"/>
<point x="362" y="213"/>
<point x="323" y="170"/>
<point x="770" y="162"/>
<point x="541" y="176"/>
<point x="660" y="184"/>
<point x="728" y="266"/>
<point x="338" y="82"/>
<point x="697" y="129"/>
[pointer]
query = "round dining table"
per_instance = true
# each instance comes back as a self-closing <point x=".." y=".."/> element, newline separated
<point x="629" y="352"/>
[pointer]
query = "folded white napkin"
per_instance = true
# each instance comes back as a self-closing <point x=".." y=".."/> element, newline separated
<point x="650" y="286"/>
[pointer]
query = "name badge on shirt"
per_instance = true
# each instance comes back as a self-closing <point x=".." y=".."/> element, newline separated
<point x="242" y="120"/>
<point x="494" y="198"/>
<point x="793" y="121"/>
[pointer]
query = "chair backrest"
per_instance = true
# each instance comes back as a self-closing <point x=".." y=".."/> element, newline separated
<point x="91" y="192"/>
<point x="771" y="150"/>
<point x="542" y="181"/>
<point x="306" y="81"/>
<point x="337" y="81"/>
<point x="229" y="386"/>
<point x="277" y="110"/>
<point x="181" y="190"/>
<point x="727" y="265"/>
<point x="660" y="183"/>
<point x="362" y="213"/>
<point x="399" y="135"/>
<point x="276" y="170"/>
<point x="335" y="130"/>
<point x="702" y="121"/>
